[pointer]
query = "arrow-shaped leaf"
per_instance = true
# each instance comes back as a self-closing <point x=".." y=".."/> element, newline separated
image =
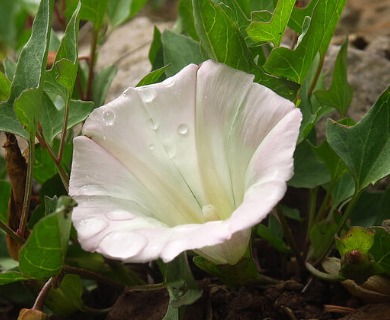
<point x="43" y="254"/>
<point x="294" y="64"/>
<point x="272" y="30"/>
<point x="365" y="147"/>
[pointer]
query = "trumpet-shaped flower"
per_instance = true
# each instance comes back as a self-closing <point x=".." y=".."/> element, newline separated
<point x="191" y="163"/>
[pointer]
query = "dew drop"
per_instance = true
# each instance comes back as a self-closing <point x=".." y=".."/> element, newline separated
<point x="147" y="94"/>
<point x="154" y="126"/>
<point x="182" y="129"/>
<point x="151" y="147"/>
<point x="108" y="117"/>
<point x="171" y="153"/>
<point x="210" y="213"/>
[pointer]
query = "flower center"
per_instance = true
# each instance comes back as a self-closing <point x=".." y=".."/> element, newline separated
<point x="210" y="213"/>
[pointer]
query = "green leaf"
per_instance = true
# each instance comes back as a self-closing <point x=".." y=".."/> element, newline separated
<point x="119" y="11"/>
<point x="219" y="37"/>
<point x="27" y="81"/>
<point x="5" y="191"/>
<point x="236" y="15"/>
<point x="11" y="18"/>
<point x="273" y="234"/>
<point x="9" y="68"/>
<point x="365" y="147"/>
<point x="321" y="235"/>
<point x="152" y="77"/>
<point x="52" y="119"/>
<point x="5" y="87"/>
<point x="33" y="57"/>
<point x="11" y="276"/>
<point x="44" y="167"/>
<point x="342" y="190"/>
<point x="186" y="18"/>
<point x="179" y="51"/>
<point x="309" y="170"/>
<point x="181" y="285"/>
<point x="93" y="11"/>
<point x="61" y="77"/>
<point x="67" y="298"/>
<point x="371" y="209"/>
<point x="380" y="250"/>
<point x="299" y="15"/>
<point x="156" y="55"/>
<point x="222" y="41"/>
<point x="357" y="238"/>
<point x="43" y="254"/>
<point x="243" y="272"/>
<point x="102" y="83"/>
<point x="10" y="123"/>
<point x="294" y="64"/>
<point x="332" y="161"/>
<point x="339" y="95"/>
<point x="272" y="30"/>
<point x="27" y="108"/>
<point x="260" y="5"/>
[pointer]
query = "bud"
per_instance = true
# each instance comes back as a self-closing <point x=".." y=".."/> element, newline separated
<point x="32" y="314"/>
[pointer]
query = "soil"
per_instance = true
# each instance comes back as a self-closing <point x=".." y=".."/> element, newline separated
<point x="288" y="300"/>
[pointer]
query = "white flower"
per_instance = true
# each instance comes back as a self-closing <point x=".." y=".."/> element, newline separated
<point x="191" y="163"/>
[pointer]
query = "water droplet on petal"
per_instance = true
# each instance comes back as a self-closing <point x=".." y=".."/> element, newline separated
<point x="171" y="153"/>
<point x="182" y="129"/>
<point x="108" y="117"/>
<point x="155" y="126"/>
<point x="147" y="94"/>
<point x="151" y="147"/>
<point x="210" y="212"/>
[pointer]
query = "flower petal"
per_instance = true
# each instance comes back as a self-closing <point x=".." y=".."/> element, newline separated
<point x="150" y="130"/>
<point x="187" y="164"/>
<point x="220" y="93"/>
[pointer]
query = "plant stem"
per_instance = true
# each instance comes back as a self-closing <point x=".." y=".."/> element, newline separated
<point x="312" y="210"/>
<point x="316" y="76"/>
<point x="95" y="35"/>
<point x="311" y="218"/>
<point x="40" y="300"/>
<point x="290" y="238"/>
<point x="62" y="173"/>
<point x="147" y="287"/>
<point x="91" y="275"/>
<point x="64" y="131"/>
<point x="28" y="188"/>
<point x="11" y="233"/>
<point x="346" y="215"/>
<point x="322" y="275"/>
